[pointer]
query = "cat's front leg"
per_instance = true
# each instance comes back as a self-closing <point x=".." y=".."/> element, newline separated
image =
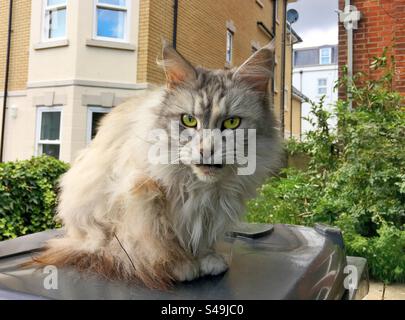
<point x="212" y="263"/>
<point x="186" y="270"/>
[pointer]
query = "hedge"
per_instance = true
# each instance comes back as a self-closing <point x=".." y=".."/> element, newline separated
<point x="28" y="195"/>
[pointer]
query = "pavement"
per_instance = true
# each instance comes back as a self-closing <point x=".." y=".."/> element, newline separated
<point x="380" y="291"/>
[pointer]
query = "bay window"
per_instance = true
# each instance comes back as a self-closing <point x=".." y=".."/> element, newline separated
<point x="55" y="19"/>
<point x="48" y="131"/>
<point x="111" y="19"/>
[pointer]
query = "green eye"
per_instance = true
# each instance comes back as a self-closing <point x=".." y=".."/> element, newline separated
<point x="189" y="121"/>
<point x="232" y="123"/>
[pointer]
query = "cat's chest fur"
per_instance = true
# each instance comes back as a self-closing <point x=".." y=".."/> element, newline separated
<point x="202" y="214"/>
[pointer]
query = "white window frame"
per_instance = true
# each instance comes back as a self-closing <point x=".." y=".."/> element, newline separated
<point x="90" y="111"/>
<point x="329" y="50"/>
<point x="229" y="46"/>
<point x="45" y="20"/>
<point x="276" y="11"/>
<point x="38" y="141"/>
<point x="322" y="86"/>
<point x="127" y="20"/>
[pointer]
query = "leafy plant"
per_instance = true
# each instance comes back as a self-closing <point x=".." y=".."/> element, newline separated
<point x="28" y="195"/>
<point x="356" y="176"/>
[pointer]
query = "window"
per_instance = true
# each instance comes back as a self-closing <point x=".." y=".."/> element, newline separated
<point x="48" y="131"/>
<point x="94" y="116"/>
<point x="54" y="19"/>
<point x="111" y="21"/>
<point x="325" y="56"/>
<point x="229" y="46"/>
<point x="322" y="86"/>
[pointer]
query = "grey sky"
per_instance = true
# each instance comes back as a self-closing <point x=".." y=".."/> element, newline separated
<point x="318" y="22"/>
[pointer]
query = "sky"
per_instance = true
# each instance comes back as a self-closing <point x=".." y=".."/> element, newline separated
<point x="318" y="22"/>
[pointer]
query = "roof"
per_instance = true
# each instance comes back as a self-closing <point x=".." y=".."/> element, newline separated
<point x="300" y="95"/>
<point x="297" y="38"/>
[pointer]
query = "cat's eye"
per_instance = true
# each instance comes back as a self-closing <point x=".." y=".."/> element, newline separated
<point x="189" y="121"/>
<point x="232" y="123"/>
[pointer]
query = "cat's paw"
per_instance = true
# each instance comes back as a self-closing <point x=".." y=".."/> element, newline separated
<point x="213" y="264"/>
<point x="186" y="271"/>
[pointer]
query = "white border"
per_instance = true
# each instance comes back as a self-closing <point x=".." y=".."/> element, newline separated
<point x="319" y="87"/>
<point x="320" y="56"/>
<point x="127" y="22"/>
<point x="229" y="32"/>
<point x="45" y="24"/>
<point x="38" y="141"/>
<point x="90" y="111"/>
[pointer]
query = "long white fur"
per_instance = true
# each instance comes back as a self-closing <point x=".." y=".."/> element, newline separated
<point x="104" y="197"/>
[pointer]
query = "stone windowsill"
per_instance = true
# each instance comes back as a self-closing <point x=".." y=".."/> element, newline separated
<point x="51" y="44"/>
<point x="260" y="3"/>
<point x="110" y="44"/>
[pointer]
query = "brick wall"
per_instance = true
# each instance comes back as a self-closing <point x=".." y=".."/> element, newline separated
<point x="382" y="25"/>
<point x="201" y="36"/>
<point x="19" y="44"/>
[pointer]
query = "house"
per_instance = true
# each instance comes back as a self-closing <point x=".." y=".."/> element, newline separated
<point x="381" y="24"/>
<point x="315" y="74"/>
<point x="70" y="62"/>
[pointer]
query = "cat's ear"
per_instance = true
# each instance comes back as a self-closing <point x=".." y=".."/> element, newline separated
<point x="257" y="71"/>
<point x="177" y="69"/>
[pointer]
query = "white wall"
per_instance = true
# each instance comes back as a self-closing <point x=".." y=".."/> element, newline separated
<point x="305" y="79"/>
<point x="107" y="61"/>
<point x="73" y="75"/>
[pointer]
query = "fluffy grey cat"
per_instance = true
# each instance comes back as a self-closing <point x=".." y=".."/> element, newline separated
<point x="128" y="217"/>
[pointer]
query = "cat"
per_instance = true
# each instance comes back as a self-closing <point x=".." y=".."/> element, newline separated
<point x="157" y="223"/>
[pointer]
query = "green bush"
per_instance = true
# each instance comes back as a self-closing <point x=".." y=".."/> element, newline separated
<point x="28" y="195"/>
<point x="356" y="176"/>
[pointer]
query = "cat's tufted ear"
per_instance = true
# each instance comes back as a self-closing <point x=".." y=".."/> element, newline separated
<point x="177" y="69"/>
<point x="257" y="71"/>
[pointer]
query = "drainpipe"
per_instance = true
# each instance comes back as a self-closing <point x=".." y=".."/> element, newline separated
<point x="282" y="98"/>
<point x="175" y="16"/>
<point x="301" y="76"/>
<point x="350" y="17"/>
<point x="291" y="88"/>
<point x="274" y="17"/>
<point x="349" y="58"/>
<point x="300" y="122"/>
<point x="6" y="79"/>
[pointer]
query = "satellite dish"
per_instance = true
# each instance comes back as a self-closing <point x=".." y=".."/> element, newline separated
<point x="292" y="16"/>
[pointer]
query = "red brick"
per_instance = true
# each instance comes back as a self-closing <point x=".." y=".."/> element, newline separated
<point x="382" y="25"/>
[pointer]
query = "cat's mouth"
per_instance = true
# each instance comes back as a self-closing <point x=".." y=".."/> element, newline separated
<point x="210" y="166"/>
<point x="208" y="169"/>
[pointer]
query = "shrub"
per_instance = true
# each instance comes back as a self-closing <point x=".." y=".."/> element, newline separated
<point x="355" y="178"/>
<point x="28" y="195"/>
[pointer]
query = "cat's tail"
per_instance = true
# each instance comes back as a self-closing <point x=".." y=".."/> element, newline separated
<point x="102" y="263"/>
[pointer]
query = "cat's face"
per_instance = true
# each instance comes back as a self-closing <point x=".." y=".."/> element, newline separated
<point x="207" y="114"/>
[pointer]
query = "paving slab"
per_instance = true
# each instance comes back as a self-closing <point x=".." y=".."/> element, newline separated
<point x="375" y="292"/>
<point x="394" y="292"/>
